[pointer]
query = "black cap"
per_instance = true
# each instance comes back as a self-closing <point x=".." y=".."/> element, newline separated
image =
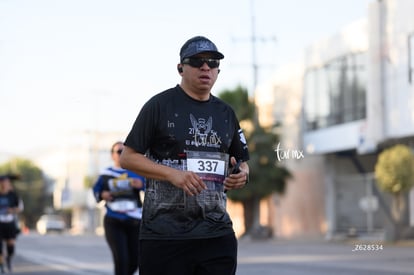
<point x="9" y="176"/>
<point x="199" y="44"/>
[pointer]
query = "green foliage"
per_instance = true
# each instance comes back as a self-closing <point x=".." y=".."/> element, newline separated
<point x="394" y="169"/>
<point x="239" y="100"/>
<point x="265" y="176"/>
<point x="88" y="181"/>
<point x="31" y="187"/>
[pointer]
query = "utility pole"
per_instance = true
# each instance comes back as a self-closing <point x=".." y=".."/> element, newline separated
<point x="254" y="39"/>
<point x="255" y="66"/>
<point x="255" y="225"/>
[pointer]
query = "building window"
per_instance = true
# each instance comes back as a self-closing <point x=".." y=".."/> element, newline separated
<point x="411" y="58"/>
<point x="336" y="92"/>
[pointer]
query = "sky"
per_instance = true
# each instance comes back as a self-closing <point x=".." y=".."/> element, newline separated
<point x="69" y="66"/>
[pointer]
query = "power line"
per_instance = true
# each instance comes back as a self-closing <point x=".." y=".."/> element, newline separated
<point x="253" y="39"/>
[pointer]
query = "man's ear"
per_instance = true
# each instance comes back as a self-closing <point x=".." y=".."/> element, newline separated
<point x="179" y="68"/>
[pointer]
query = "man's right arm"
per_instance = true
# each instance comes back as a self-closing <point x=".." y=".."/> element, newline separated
<point x="140" y="164"/>
<point x="190" y="182"/>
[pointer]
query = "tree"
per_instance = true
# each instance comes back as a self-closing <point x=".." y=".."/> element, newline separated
<point x="394" y="173"/>
<point x="31" y="187"/>
<point x="239" y="100"/>
<point x="88" y="182"/>
<point x="265" y="176"/>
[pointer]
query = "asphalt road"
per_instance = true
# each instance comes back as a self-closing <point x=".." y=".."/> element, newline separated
<point x="89" y="255"/>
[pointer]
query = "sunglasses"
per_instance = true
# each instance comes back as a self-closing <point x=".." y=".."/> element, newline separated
<point x="198" y="62"/>
<point x="119" y="151"/>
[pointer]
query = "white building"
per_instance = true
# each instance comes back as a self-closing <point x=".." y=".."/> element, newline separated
<point x="357" y="98"/>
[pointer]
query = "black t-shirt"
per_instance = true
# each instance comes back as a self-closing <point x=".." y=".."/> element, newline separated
<point x="175" y="130"/>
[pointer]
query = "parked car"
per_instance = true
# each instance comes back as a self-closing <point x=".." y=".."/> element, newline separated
<point x="50" y="223"/>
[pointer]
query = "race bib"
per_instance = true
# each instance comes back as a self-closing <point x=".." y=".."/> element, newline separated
<point x="122" y="205"/>
<point x="210" y="166"/>
<point x="6" y="217"/>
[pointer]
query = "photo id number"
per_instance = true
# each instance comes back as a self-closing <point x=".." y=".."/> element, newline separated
<point x="368" y="247"/>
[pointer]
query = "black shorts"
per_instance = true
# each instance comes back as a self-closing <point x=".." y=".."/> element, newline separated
<point x="8" y="230"/>
<point x="216" y="256"/>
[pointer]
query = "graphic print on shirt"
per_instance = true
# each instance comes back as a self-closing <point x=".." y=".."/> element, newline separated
<point x="119" y="185"/>
<point x="203" y="133"/>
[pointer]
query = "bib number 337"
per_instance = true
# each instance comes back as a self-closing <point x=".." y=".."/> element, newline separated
<point x="208" y="168"/>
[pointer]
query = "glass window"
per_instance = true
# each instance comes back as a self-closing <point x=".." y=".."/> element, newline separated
<point x="411" y="58"/>
<point x="349" y="89"/>
<point x="360" y="86"/>
<point x="323" y="106"/>
<point x="336" y="92"/>
<point x="310" y="101"/>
